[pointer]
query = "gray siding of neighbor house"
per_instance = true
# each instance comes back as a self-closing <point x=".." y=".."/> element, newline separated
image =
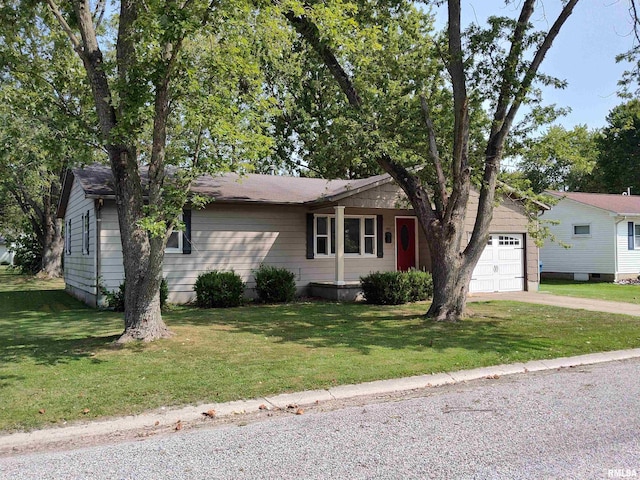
<point x="80" y="267"/>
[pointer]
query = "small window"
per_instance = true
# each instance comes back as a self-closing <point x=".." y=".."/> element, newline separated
<point x="67" y="237"/>
<point x="636" y="236"/>
<point x="85" y="233"/>
<point x="174" y="243"/>
<point x="581" y="230"/>
<point x="322" y="236"/>
<point x="369" y="235"/>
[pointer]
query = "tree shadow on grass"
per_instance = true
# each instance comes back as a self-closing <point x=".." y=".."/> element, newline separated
<point x="51" y="327"/>
<point x="363" y="327"/>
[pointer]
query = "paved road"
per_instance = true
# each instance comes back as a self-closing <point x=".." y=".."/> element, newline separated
<point x="577" y="423"/>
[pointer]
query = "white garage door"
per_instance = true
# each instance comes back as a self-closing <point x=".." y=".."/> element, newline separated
<point x="501" y="266"/>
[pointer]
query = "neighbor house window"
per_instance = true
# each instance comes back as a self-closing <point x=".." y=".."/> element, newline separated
<point x="359" y="235"/>
<point x="67" y="237"/>
<point x="85" y="233"/>
<point x="581" y="230"/>
<point x="636" y="236"/>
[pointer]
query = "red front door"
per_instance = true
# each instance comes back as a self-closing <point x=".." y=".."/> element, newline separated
<point x="405" y="243"/>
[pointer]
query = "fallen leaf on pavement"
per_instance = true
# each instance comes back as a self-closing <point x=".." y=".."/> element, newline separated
<point x="178" y="425"/>
<point x="299" y="411"/>
<point x="209" y="413"/>
<point x="263" y="407"/>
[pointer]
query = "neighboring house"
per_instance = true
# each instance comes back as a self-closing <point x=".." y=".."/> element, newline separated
<point x="603" y="232"/>
<point x="288" y="222"/>
<point x="6" y="255"/>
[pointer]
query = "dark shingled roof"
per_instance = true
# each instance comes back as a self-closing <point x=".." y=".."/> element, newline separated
<point x="97" y="181"/>
<point x="615" y="203"/>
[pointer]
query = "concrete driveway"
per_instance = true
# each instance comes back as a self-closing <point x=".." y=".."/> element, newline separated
<point x="543" y="298"/>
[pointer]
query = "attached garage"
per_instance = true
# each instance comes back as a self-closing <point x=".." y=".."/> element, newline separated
<point x="501" y="267"/>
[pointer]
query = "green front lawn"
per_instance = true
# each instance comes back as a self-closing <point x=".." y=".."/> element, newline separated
<point x="58" y="357"/>
<point x="600" y="291"/>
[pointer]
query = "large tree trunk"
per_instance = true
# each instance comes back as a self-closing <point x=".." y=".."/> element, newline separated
<point x="142" y="254"/>
<point x="52" y="248"/>
<point x="451" y="269"/>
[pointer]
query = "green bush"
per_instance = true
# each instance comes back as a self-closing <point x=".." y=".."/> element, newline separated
<point x="395" y="288"/>
<point x="115" y="299"/>
<point x="385" y="288"/>
<point x="27" y="253"/>
<point x="275" y="285"/>
<point x="218" y="289"/>
<point x="420" y="285"/>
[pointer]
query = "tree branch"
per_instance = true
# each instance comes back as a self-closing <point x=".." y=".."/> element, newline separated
<point x="77" y="45"/>
<point x="441" y="198"/>
<point x="309" y="31"/>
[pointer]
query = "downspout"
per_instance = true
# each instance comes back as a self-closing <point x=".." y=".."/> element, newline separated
<point x="98" y="205"/>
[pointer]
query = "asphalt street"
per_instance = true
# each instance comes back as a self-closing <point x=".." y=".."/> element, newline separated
<point x="581" y="423"/>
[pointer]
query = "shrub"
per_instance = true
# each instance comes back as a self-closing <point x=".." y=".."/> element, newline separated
<point x="420" y="285"/>
<point x="275" y="285"/>
<point x="218" y="289"/>
<point x="395" y="288"/>
<point x="115" y="299"/>
<point x="385" y="288"/>
<point x="27" y="253"/>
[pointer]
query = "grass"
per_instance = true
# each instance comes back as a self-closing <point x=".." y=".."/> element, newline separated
<point x="58" y="356"/>
<point x="601" y="291"/>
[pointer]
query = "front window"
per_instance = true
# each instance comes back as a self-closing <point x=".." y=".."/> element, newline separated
<point x="636" y="236"/>
<point x="359" y="235"/>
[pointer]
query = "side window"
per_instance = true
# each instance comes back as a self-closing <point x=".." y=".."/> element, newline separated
<point x="85" y="233"/>
<point x="581" y="230"/>
<point x="67" y="235"/>
<point x="174" y="243"/>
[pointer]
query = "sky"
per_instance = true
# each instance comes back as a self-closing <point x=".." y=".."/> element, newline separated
<point x="583" y="54"/>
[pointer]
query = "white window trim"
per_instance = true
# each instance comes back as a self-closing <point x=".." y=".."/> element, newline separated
<point x="178" y="249"/>
<point x="362" y="236"/>
<point x="580" y="235"/>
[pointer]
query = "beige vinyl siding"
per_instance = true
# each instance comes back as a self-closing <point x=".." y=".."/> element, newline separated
<point x="242" y="237"/>
<point x="111" y="262"/>
<point x="590" y="254"/>
<point x="79" y="267"/>
<point x="628" y="260"/>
